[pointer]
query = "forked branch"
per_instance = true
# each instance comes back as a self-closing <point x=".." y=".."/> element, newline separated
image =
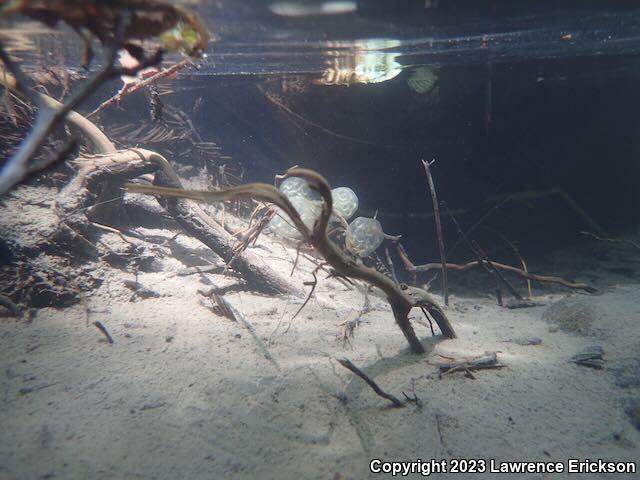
<point x="401" y="298"/>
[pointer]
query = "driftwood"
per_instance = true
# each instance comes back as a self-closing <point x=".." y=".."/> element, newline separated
<point x="466" y="364"/>
<point x="501" y="266"/>
<point x="52" y="114"/>
<point x="9" y="305"/>
<point x="100" y="172"/>
<point x="95" y="173"/>
<point x="197" y="223"/>
<point x="401" y="298"/>
<point x="95" y="193"/>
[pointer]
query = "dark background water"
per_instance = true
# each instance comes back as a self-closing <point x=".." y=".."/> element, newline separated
<point x="535" y="99"/>
<point x="538" y="100"/>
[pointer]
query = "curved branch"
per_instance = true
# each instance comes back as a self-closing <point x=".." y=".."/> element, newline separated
<point x="17" y="167"/>
<point x="401" y="298"/>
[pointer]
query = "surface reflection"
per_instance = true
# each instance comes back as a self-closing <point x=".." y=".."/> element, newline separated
<point x="365" y="61"/>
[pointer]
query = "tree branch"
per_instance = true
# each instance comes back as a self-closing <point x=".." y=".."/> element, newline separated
<point x="49" y="114"/>
<point x="401" y="298"/>
<point x="346" y="363"/>
<point x="436" y="213"/>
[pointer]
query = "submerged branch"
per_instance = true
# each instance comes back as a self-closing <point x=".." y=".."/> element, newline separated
<point x="346" y="363"/>
<point x="401" y="298"/>
<point x="49" y="116"/>
<point x="165" y="72"/>
<point x="436" y="214"/>
<point x="501" y="266"/>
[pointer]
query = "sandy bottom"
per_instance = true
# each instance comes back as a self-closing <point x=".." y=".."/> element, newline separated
<point x="186" y="393"/>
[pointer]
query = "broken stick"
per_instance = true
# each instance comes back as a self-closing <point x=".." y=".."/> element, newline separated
<point x="104" y="331"/>
<point x="486" y="360"/>
<point x="346" y="363"/>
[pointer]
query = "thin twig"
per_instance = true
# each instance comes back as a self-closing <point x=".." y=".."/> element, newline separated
<point x="252" y="331"/>
<point x="508" y="268"/>
<point x="497" y="273"/>
<point x="479" y="222"/>
<point x="426" y="315"/>
<point x="439" y="429"/>
<point x="104" y="331"/>
<point x="473" y="249"/>
<point x="313" y="284"/>
<point x="223" y="307"/>
<point x="486" y="263"/>
<point x="346" y="363"/>
<point x="612" y="240"/>
<point x="350" y="324"/>
<point x="197" y="269"/>
<point x="413" y="398"/>
<point x="517" y="252"/>
<point x="142" y="83"/>
<point x="391" y="267"/>
<point x="436" y="211"/>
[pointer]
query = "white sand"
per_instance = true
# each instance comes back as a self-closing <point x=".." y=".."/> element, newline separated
<point x="185" y="393"/>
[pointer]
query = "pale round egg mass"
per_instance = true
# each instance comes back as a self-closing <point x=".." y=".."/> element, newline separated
<point x="345" y="201"/>
<point x="364" y="236"/>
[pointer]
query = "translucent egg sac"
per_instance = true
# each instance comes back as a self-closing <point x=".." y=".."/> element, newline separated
<point x="308" y="210"/>
<point x="298" y="187"/>
<point x="364" y="236"/>
<point x="345" y="201"/>
<point x="282" y="225"/>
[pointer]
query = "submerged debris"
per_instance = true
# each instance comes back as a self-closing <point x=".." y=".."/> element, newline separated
<point x="466" y="364"/>
<point x="526" y="341"/>
<point x="590" y="357"/>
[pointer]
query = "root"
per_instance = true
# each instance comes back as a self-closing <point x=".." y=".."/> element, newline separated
<point x="401" y="298"/>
